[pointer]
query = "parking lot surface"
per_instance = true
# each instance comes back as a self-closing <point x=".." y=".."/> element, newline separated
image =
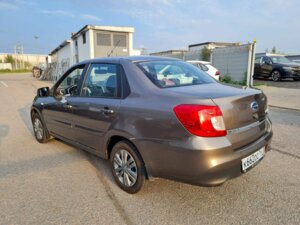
<point x="282" y="94"/>
<point x="286" y="83"/>
<point x="55" y="183"/>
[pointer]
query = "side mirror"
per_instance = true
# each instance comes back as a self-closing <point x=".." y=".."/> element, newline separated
<point x="43" y="92"/>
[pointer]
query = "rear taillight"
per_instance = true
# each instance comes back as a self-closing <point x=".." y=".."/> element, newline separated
<point x="218" y="73"/>
<point x="201" y="120"/>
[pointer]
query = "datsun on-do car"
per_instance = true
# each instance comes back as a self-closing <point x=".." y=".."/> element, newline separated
<point x="155" y="117"/>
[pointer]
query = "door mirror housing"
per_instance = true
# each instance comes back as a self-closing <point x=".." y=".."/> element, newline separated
<point x="43" y="92"/>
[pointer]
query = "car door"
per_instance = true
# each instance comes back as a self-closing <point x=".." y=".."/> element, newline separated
<point x="257" y="66"/>
<point x="57" y="111"/>
<point x="97" y="107"/>
<point x="266" y="66"/>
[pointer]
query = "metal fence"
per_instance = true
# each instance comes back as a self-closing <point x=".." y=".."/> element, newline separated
<point x="234" y="61"/>
<point x="55" y="70"/>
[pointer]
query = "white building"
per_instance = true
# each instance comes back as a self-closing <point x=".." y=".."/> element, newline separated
<point x="24" y="60"/>
<point x="92" y="42"/>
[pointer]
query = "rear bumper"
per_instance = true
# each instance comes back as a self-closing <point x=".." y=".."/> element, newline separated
<point x="186" y="163"/>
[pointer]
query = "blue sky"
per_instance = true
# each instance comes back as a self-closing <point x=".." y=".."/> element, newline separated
<point x="159" y="24"/>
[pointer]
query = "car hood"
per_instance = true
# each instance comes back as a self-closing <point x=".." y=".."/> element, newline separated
<point x="288" y="64"/>
<point x="212" y="90"/>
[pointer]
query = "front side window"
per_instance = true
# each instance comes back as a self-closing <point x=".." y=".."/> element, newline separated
<point x="101" y="81"/>
<point x="266" y="60"/>
<point x="68" y="86"/>
<point x="173" y="73"/>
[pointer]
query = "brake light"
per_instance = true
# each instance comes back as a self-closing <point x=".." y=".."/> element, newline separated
<point x="218" y="73"/>
<point x="201" y="120"/>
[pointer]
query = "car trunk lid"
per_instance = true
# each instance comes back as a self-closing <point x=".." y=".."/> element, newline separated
<point x="244" y="117"/>
<point x="244" y="124"/>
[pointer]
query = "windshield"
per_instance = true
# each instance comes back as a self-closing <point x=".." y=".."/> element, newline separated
<point x="280" y="59"/>
<point x="174" y="73"/>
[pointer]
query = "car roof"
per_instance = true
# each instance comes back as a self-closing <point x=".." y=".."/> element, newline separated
<point x="133" y="59"/>
<point x="199" y="61"/>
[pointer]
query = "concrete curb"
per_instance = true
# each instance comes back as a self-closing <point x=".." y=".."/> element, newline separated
<point x="286" y="108"/>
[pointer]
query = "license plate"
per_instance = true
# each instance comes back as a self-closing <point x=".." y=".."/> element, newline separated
<point x="252" y="159"/>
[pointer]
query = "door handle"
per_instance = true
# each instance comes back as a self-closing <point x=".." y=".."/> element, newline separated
<point x="107" y="111"/>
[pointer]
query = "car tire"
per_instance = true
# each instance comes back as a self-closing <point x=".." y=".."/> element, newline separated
<point x="40" y="131"/>
<point x="296" y="78"/>
<point x="276" y="75"/>
<point x="127" y="167"/>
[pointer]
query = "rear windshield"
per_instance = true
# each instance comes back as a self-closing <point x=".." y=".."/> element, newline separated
<point x="174" y="73"/>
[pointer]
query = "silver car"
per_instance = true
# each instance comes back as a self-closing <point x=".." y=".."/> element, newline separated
<point x="155" y="117"/>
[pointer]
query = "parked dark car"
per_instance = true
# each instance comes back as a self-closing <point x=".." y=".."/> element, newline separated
<point x="276" y="67"/>
<point x="182" y="125"/>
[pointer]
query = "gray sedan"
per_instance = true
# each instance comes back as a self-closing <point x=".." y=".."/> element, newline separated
<point x="155" y="117"/>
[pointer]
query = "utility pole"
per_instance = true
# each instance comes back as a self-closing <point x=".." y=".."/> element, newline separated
<point x="15" y="55"/>
<point x="37" y="56"/>
<point x="19" y="51"/>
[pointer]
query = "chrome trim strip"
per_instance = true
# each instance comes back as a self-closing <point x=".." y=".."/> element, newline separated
<point x="245" y="128"/>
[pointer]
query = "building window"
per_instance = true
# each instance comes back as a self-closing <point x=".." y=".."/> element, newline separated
<point x="83" y="38"/>
<point x="120" y="40"/>
<point x="103" y="39"/>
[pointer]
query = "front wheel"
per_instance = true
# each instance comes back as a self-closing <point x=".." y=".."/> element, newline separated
<point x="40" y="131"/>
<point x="276" y="75"/>
<point x="296" y="78"/>
<point x="127" y="167"/>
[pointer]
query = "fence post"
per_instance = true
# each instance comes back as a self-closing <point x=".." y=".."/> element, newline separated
<point x="253" y="61"/>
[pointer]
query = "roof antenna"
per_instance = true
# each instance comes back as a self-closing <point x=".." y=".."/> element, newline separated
<point x="111" y="52"/>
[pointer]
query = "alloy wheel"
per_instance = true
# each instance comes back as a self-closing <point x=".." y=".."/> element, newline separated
<point x="38" y="128"/>
<point x="275" y="76"/>
<point x="125" y="168"/>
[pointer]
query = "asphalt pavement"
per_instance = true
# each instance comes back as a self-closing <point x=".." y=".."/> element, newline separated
<point x="55" y="183"/>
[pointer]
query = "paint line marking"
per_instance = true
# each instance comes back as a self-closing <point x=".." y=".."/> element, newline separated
<point x="4" y="84"/>
<point x="285" y="153"/>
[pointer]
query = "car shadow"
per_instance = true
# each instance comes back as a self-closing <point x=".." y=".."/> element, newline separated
<point x="24" y="113"/>
<point x="4" y="130"/>
<point x="158" y="185"/>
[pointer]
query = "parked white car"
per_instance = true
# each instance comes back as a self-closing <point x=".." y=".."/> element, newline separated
<point x="206" y="67"/>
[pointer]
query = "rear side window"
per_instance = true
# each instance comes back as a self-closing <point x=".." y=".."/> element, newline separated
<point x="174" y="73"/>
<point x="203" y="67"/>
<point x="101" y="81"/>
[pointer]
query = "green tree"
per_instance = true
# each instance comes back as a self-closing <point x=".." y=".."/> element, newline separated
<point x="27" y="65"/>
<point x="273" y="49"/>
<point x="9" y="59"/>
<point x="205" y="54"/>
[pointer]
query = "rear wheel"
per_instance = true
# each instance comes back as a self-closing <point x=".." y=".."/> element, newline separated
<point x="40" y="131"/>
<point x="296" y="78"/>
<point x="127" y="167"/>
<point x="276" y="75"/>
